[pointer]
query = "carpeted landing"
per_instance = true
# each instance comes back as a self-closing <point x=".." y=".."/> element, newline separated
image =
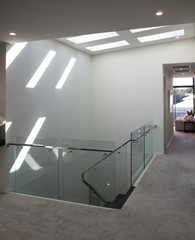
<point x="162" y="207"/>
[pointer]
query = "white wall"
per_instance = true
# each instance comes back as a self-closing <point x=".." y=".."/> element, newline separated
<point x="127" y="89"/>
<point x="66" y="110"/>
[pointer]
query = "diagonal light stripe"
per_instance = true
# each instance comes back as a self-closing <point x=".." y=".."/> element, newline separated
<point x="30" y="140"/>
<point x="32" y="163"/>
<point x="7" y="126"/>
<point x="13" y="52"/>
<point x="41" y="69"/>
<point x="66" y="73"/>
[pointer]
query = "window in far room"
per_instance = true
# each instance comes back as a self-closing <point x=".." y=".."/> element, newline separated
<point x="182" y="96"/>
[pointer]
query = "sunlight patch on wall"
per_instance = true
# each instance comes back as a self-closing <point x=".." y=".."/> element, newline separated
<point x="14" y="52"/>
<point x="41" y="69"/>
<point x="32" y="163"/>
<point x="66" y="73"/>
<point x="19" y="160"/>
<point x="7" y="126"/>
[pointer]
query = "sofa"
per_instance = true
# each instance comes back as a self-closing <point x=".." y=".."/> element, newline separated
<point x="189" y="123"/>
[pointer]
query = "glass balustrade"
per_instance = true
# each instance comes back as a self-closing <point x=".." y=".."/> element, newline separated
<point x="148" y="143"/>
<point x="37" y="172"/>
<point x="108" y="179"/>
<point x="141" y="150"/>
<point x="89" y="172"/>
<point x="137" y="154"/>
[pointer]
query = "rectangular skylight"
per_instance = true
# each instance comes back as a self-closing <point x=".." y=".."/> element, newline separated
<point x="108" y="46"/>
<point x="92" y="37"/>
<point x="160" y="36"/>
<point x="144" y="29"/>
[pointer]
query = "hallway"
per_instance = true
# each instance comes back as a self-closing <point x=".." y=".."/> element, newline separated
<point x="162" y="207"/>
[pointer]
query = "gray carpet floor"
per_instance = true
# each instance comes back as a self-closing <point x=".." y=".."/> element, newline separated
<point x="162" y="207"/>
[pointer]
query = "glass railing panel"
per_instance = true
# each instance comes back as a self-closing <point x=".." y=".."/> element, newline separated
<point x="108" y="179"/>
<point x="148" y="143"/>
<point x="121" y="170"/>
<point x="102" y="178"/>
<point x="75" y="162"/>
<point x="38" y="173"/>
<point x="137" y="154"/>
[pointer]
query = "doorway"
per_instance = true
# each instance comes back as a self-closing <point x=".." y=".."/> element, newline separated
<point x="183" y="92"/>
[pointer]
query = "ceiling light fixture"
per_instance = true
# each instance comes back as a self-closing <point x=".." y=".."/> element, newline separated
<point x="108" y="46"/>
<point x="159" y="13"/>
<point x="92" y="37"/>
<point x="161" y="36"/>
<point x="12" y="34"/>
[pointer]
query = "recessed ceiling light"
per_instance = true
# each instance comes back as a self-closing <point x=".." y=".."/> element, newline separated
<point x="159" y="13"/>
<point x="92" y="37"/>
<point x="12" y="34"/>
<point x="161" y="36"/>
<point x="144" y="29"/>
<point x="108" y="46"/>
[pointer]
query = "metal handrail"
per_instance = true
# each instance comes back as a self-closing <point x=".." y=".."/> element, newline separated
<point x="57" y="147"/>
<point x="130" y="140"/>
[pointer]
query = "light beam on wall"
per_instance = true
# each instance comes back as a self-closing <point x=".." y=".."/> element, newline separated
<point x="7" y="126"/>
<point x="14" y="52"/>
<point x="41" y="69"/>
<point x="66" y="73"/>
<point x="32" y="163"/>
<point x="30" y="140"/>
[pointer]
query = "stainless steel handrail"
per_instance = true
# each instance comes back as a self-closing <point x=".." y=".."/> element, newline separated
<point x="57" y="147"/>
<point x="130" y="140"/>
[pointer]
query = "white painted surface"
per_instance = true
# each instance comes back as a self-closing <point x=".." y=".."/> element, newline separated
<point x="127" y="89"/>
<point x="66" y="110"/>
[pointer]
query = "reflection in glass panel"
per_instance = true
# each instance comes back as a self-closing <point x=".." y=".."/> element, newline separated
<point x="75" y="162"/>
<point x="137" y="154"/>
<point x="38" y="174"/>
<point x="148" y="143"/>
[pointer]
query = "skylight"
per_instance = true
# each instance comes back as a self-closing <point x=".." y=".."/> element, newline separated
<point x="92" y="37"/>
<point x="144" y="29"/>
<point x="161" y="36"/>
<point x="108" y="46"/>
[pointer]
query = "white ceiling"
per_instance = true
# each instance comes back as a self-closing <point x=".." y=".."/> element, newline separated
<point x="51" y="19"/>
<point x="48" y="19"/>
